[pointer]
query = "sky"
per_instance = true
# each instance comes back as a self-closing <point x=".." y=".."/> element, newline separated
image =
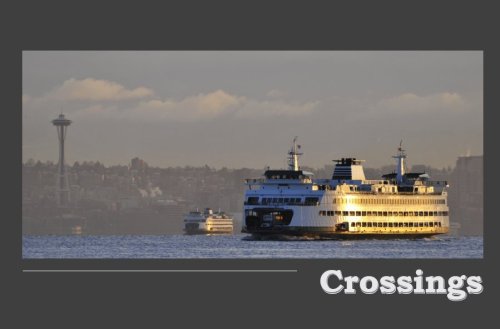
<point x="239" y="109"/>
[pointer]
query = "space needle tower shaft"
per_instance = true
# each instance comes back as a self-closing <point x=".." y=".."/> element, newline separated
<point x="62" y="184"/>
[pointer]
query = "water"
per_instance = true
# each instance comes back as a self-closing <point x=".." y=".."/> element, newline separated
<point x="240" y="246"/>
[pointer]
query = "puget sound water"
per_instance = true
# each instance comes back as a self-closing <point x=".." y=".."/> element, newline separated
<point x="242" y="246"/>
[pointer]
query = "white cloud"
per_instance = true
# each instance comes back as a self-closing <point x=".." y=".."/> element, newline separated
<point x="256" y="109"/>
<point x="96" y="90"/>
<point x="412" y="103"/>
<point x="202" y="107"/>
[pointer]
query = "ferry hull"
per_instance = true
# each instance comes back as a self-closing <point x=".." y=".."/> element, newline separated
<point x="316" y="232"/>
<point x="205" y="232"/>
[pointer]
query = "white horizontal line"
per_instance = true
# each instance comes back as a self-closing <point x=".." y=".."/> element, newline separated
<point x="130" y="270"/>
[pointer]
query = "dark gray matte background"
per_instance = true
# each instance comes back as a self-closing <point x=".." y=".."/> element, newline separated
<point x="140" y="300"/>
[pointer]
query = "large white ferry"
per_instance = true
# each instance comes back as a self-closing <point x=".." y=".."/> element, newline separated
<point x="208" y="222"/>
<point x="291" y="202"/>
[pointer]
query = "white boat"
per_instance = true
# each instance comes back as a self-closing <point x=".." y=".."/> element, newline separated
<point x="291" y="202"/>
<point x="208" y="222"/>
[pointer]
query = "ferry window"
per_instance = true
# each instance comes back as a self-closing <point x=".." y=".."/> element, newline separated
<point x="426" y="224"/>
<point x="390" y="213"/>
<point x="363" y="213"/>
<point x="286" y="200"/>
<point x="363" y="224"/>
<point x="275" y="200"/>
<point x="420" y="213"/>
<point x="353" y="224"/>
<point x="358" y="224"/>
<point x="426" y="213"/>
<point x="379" y="224"/>
<point x="446" y="213"/>
<point x="368" y="213"/>
<point x="280" y="200"/>
<point x="311" y="201"/>
<point x="253" y="200"/>
<point x="351" y="213"/>
<point x="390" y="224"/>
<point x="406" y="224"/>
<point x="330" y="213"/>
<point x="369" y="224"/>
<point x="385" y="213"/>
<point x="400" y="213"/>
<point x="358" y="213"/>
<point x="321" y="212"/>
<point x="345" y="213"/>
<point x="337" y="212"/>
<point x="410" y="213"/>
<point x="431" y="224"/>
<point x="379" y="213"/>
<point x="421" y="224"/>
<point x="439" y="224"/>
<point x="401" y="224"/>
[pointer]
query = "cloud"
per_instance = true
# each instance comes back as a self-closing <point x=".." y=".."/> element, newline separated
<point x="96" y="90"/>
<point x="203" y="106"/>
<point x="412" y="103"/>
<point x="258" y="109"/>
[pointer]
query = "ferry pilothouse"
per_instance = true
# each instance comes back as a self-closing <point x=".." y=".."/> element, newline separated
<point x="291" y="202"/>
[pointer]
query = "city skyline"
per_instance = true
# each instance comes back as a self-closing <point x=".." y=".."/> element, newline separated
<point x="241" y="109"/>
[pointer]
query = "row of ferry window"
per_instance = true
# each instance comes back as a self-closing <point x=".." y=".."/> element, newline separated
<point x="382" y="213"/>
<point x="398" y="224"/>
<point x="285" y="200"/>
<point x="389" y="201"/>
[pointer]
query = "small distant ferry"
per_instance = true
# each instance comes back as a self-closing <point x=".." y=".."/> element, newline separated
<point x="208" y="222"/>
<point x="291" y="202"/>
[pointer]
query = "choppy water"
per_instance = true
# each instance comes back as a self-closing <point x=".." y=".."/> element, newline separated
<point x="240" y="246"/>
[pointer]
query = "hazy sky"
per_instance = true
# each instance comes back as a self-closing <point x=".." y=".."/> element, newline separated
<point x="242" y="109"/>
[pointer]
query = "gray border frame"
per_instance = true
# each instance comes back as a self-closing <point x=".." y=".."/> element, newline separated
<point x="246" y="299"/>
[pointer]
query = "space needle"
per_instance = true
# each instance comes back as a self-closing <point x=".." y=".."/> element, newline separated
<point x="62" y="184"/>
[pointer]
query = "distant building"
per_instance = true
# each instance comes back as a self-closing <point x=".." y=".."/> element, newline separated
<point x="466" y="195"/>
<point x="138" y="165"/>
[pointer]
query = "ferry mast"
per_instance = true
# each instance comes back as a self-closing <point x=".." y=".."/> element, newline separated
<point x="293" y="156"/>
<point x="400" y="163"/>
